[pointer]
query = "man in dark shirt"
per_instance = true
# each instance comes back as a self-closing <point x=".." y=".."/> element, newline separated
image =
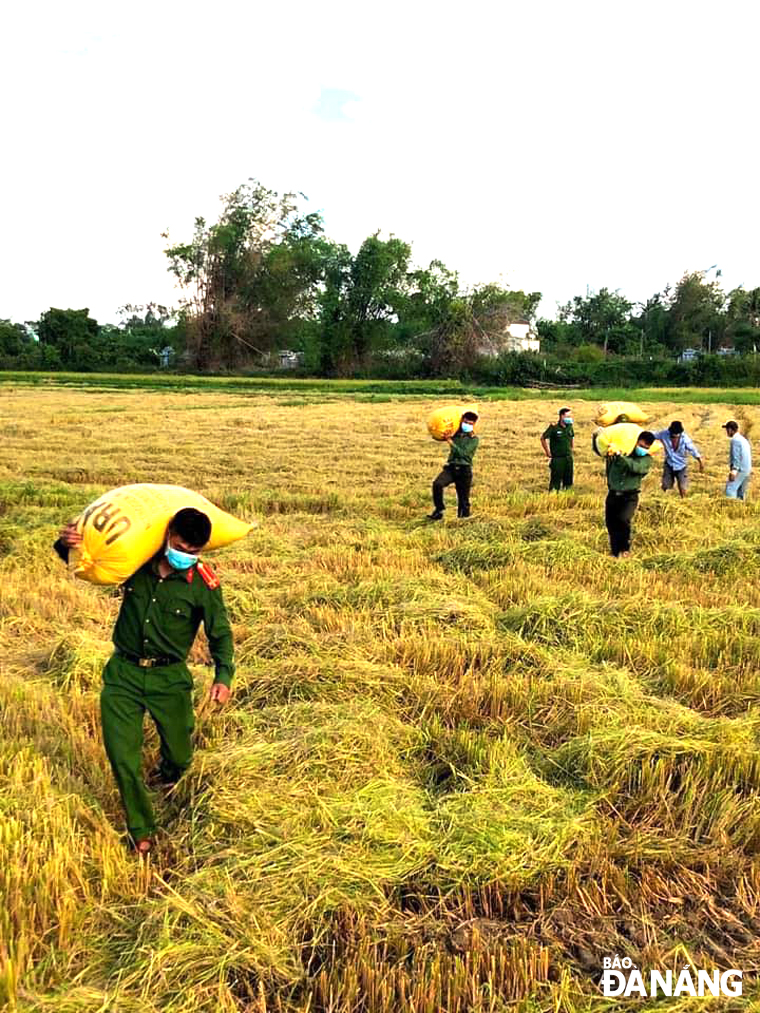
<point x="164" y="603"/>
<point x="559" y="450"/>
<point x="624" y="475"/>
<point x="458" y="468"/>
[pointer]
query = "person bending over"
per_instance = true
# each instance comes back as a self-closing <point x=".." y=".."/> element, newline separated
<point x="624" y="475"/>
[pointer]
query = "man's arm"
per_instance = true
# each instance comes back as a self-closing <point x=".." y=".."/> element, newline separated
<point x="220" y="642"/>
<point x="545" y="446"/>
<point x="691" y="448"/>
<point x="735" y="456"/>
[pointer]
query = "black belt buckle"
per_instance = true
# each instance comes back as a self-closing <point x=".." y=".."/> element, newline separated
<point x="146" y="662"/>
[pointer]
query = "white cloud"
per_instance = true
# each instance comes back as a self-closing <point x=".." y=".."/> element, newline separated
<point x="554" y="144"/>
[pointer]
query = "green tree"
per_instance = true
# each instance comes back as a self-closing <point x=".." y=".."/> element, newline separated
<point x="360" y="302"/>
<point x="73" y="335"/>
<point x="13" y="339"/>
<point x="601" y="318"/>
<point x="695" y="317"/>
<point x="244" y="275"/>
<point x="475" y="325"/>
<point x="743" y="318"/>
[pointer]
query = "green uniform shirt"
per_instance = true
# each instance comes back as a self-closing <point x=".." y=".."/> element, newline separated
<point x="560" y="439"/>
<point x="160" y="616"/>
<point x="462" y="449"/>
<point x="624" y="474"/>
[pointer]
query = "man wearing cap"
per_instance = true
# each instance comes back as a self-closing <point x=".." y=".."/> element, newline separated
<point x="678" y="445"/>
<point x="739" y="461"/>
<point x="559" y="450"/>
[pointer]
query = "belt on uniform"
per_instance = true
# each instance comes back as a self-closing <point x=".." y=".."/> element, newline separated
<point x="146" y="662"/>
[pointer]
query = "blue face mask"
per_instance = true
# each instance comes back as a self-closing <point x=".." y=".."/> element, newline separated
<point x="640" y="451"/>
<point x="179" y="560"/>
<point x="566" y="420"/>
<point x="467" y="427"/>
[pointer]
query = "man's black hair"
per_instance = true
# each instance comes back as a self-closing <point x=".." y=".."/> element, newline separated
<point x="675" y="427"/>
<point x="470" y="416"/>
<point x="647" y="437"/>
<point x="192" y="526"/>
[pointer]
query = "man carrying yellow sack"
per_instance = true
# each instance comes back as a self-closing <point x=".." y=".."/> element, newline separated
<point x="624" y="475"/>
<point x="458" y="468"/>
<point x="164" y="603"/>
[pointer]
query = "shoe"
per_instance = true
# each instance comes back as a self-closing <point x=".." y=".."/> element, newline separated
<point x="463" y="513"/>
<point x="437" y="515"/>
<point x="159" y="779"/>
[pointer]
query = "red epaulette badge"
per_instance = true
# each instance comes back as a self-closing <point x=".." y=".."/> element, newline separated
<point x="208" y="576"/>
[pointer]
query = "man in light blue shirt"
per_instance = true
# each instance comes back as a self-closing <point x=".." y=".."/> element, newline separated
<point x="678" y="445"/>
<point x="739" y="461"/>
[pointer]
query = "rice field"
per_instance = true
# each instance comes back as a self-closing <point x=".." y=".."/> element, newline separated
<point x="463" y="762"/>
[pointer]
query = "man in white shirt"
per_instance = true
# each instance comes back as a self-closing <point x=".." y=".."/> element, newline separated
<point x="678" y="445"/>
<point x="739" y="461"/>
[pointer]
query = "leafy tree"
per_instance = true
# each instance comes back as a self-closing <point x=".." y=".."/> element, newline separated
<point x="694" y="315"/>
<point x="13" y="339"/>
<point x="601" y="318"/>
<point x="743" y="319"/>
<point x="73" y="334"/>
<point x="475" y="325"/>
<point x="360" y="301"/>
<point x="237" y="285"/>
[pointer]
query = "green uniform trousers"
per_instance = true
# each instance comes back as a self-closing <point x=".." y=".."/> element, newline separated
<point x="129" y="691"/>
<point x="560" y="473"/>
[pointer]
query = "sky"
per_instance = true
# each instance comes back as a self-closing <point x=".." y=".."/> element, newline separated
<point x="550" y="146"/>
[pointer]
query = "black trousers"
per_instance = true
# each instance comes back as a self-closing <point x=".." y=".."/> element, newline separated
<point x="618" y="514"/>
<point x="461" y="476"/>
<point x="560" y="473"/>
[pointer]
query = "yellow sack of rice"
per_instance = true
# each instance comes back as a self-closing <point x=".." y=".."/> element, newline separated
<point x="620" y="438"/>
<point x="124" y="528"/>
<point x="444" y="422"/>
<point x="619" y="411"/>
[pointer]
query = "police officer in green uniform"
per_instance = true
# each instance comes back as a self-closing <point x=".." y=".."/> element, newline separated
<point x="163" y="605"/>
<point x="458" y="468"/>
<point x="559" y="450"/>
<point x="624" y="476"/>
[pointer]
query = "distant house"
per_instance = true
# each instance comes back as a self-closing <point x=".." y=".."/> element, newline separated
<point x="725" y="350"/>
<point x="290" y="360"/>
<point x="689" y="355"/>
<point x="517" y="336"/>
<point x="520" y="336"/>
<point x="165" y="356"/>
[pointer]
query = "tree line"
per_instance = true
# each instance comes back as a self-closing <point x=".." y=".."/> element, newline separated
<point x="264" y="277"/>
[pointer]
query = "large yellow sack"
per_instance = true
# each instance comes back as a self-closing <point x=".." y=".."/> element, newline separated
<point x="620" y="438"/>
<point x="124" y="528"/>
<point x="619" y="411"/>
<point x="444" y="422"/>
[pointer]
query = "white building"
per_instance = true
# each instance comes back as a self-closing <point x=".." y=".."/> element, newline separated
<point x="520" y="336"/>
<point x="290" y="360"/>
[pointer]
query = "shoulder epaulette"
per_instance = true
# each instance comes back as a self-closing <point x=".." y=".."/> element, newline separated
<point x="207" y="575"/>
